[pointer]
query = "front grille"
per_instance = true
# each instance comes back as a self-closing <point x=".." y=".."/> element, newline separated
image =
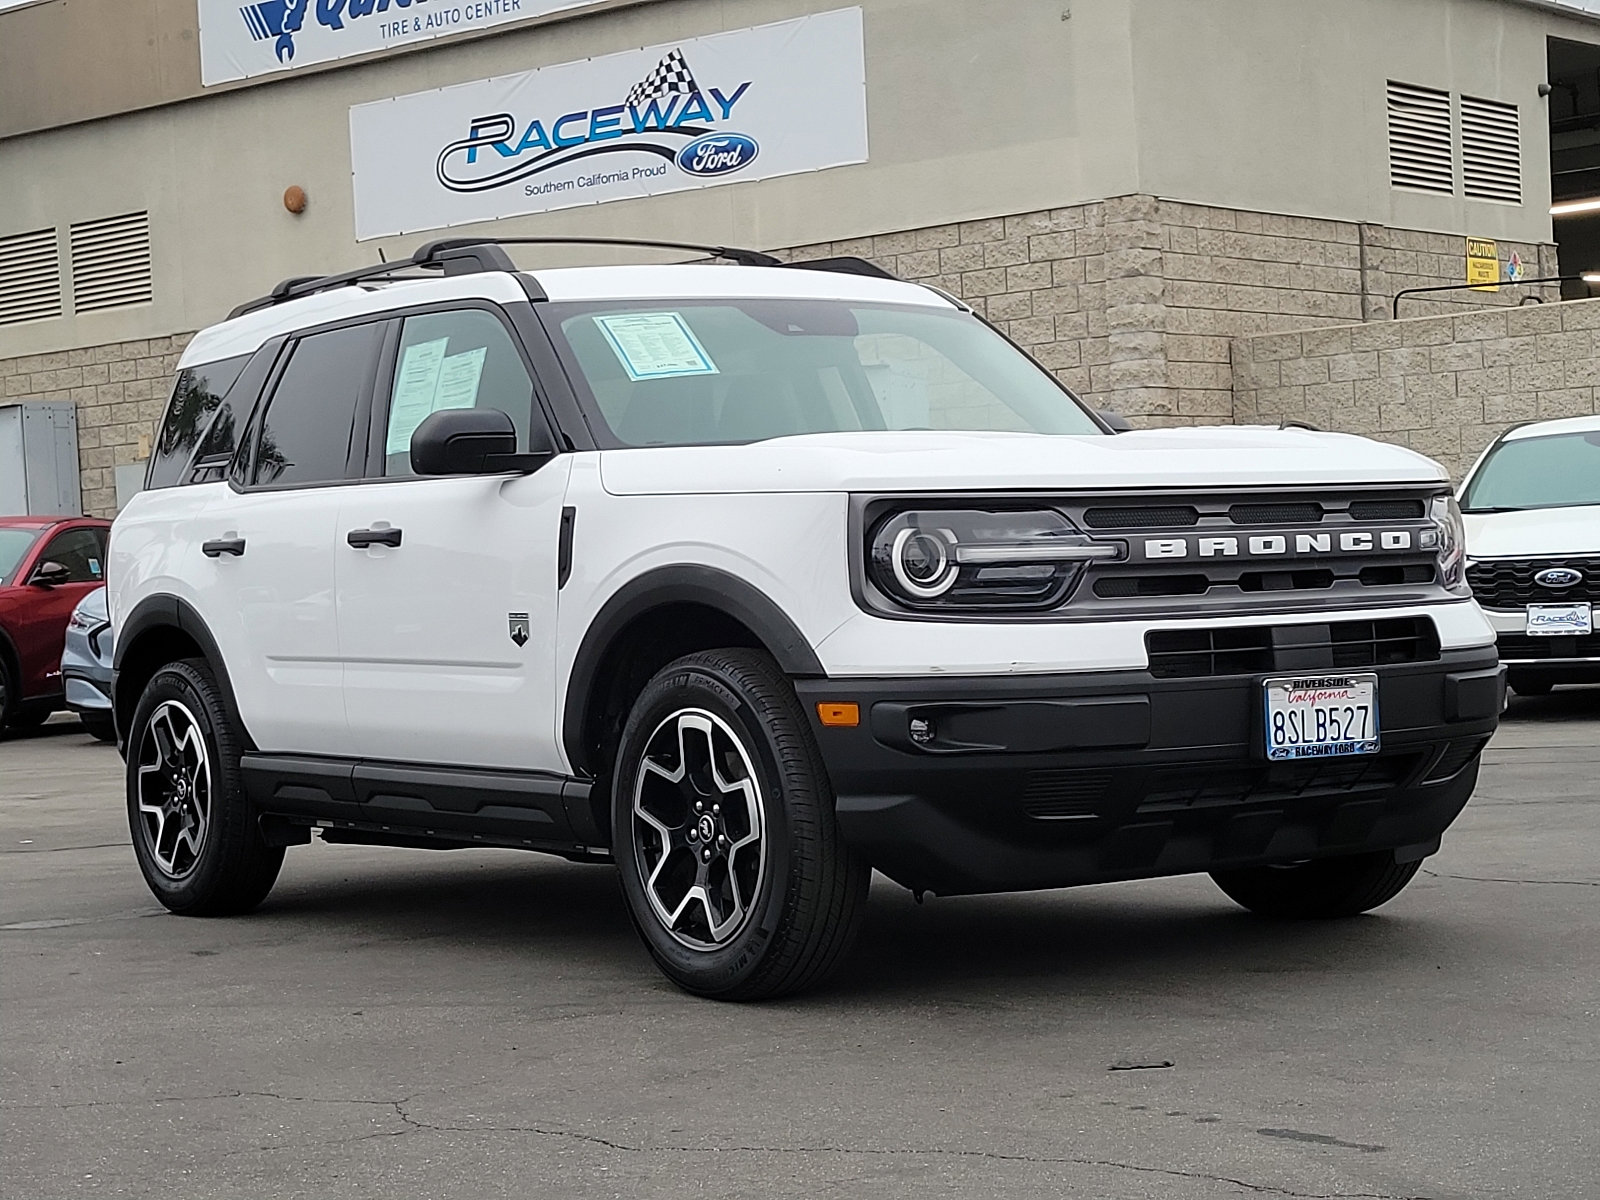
<point x="1167" y="516"/>
<point x="1388" y="510"/>
<point x="1275" y="514"/>
<point x="1508" y="583"/>
<point x="1250" y="650"/>
<point x="1063" y="795"/>
<point x="1514" y="647"/>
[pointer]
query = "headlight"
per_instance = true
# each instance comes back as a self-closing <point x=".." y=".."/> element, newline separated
<point x="1448" y="540"/>
<point x="81" y="621"/>
<point x="970" y="559"/>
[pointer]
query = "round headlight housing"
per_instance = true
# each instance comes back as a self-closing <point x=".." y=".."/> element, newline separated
<point x="979" y="560"/>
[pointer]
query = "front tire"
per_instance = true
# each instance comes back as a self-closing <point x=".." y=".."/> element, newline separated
<point x="1320" y="889"/>
<point x="194" y="832"/>
<point x="733" y="865"/>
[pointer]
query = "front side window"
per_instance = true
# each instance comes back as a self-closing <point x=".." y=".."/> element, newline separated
<point x="80" y="551"/>
<point x="1560" y="470"/>
<point x="14" y="545"/>
<point x="199" y="408"/>
<point x="305" y="435"/>
<point x="731" y="371"/>
<point x="460" y="359"/>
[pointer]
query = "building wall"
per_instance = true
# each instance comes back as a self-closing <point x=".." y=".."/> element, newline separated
<point x="1443" y="385"/>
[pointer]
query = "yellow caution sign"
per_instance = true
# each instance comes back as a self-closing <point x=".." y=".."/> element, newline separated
<point x="1483" y="265"/>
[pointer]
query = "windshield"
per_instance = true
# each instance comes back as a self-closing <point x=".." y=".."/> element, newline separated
<point x="683" y="373"/>
<point x="14" y="544"/>
<point x="1558" y="471"/>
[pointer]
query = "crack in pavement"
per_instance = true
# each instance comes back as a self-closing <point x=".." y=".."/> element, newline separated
<point x="64" y="849"/>
<point x="412" y="1124"/>
<point x="1501" y="879"/>
<point x="66" y="922"/>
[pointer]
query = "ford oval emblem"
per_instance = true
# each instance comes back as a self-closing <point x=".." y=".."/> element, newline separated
<point x="718" y="153"/>
<point x="1558" y="577"/>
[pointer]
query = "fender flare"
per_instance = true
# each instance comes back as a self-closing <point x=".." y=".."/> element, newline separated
<point x="685" y="584"/>
<point x="169" y="612"/>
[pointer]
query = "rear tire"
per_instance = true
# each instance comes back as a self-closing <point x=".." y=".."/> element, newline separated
<point x="1529" y="687"/>
<point x="195" y="833"/>
<point x="735" y="871"/>
<point x="1319" y="889"/>
<point x="99" y="726"/>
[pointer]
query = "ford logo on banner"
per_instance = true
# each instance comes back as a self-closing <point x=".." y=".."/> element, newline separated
<point x="1558" y="577"/>
<point x="718" y="154"/>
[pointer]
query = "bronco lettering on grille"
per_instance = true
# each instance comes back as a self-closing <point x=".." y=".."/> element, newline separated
<point x="1279" y="545"/>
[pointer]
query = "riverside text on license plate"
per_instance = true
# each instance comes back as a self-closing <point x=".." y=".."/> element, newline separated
<point x="1320" y="716"/>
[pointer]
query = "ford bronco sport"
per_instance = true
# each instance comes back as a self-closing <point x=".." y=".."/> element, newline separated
<point x="752" y="578"/>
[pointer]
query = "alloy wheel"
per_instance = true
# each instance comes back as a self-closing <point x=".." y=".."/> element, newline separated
<point x="174" y="784"/>
<point x="698" y="828"/>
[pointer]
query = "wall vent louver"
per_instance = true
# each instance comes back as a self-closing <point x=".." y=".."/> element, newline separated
<point x="1491" y="150"/>
<point x="30" y="277"/>
<point x="1419" y="138"/>
<point x="111" y="262"/>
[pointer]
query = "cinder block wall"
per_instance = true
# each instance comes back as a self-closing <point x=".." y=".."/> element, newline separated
<point x="120" y="389"/>
<point x="1446" y="386"/>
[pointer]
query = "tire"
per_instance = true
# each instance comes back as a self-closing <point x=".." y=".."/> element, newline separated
<point x="781" y="897"/>
<point x="31" y="718"/>
<point x="1524" y="686"/>
<point x="9" y="696"/>
<point x="1319" y="889"/>
<point x="194" y="832"/>
<point x="99" y="726"/>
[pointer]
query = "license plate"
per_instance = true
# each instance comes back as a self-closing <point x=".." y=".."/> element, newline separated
<point x="1321" y="716"/>
<point x="1560" y="620"/>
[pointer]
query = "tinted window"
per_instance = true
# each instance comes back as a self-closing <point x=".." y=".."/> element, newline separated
<point x="745" y="370"/>
<point x="305" y="437"/>
<point x="81" y="551"/>
<point x="200" y="407"/>
<point x="462" y="359"/>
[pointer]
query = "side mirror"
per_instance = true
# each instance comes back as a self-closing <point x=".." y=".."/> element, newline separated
<point x="50" y="574"/>
<point x="471" y="441"/>
<point x="1115" y="420"/>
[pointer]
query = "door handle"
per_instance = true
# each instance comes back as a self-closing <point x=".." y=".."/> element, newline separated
<point x="217" y="547"/>
<point x="362" y="538"/>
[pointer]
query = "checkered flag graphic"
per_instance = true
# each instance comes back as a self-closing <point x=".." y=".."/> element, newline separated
<point x="671" y="77"/>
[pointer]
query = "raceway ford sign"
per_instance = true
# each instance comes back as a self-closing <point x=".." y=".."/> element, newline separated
<point x="748" y="104"/>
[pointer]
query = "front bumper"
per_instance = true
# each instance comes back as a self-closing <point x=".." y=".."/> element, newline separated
<point x="1547" y="659"/>
<point x="87" y="695"/>
<point x="1039" y="781"/>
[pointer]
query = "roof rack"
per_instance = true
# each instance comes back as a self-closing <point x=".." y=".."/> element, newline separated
<point x="470" y="256"/>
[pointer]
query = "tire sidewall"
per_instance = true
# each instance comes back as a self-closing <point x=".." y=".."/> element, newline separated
<point x="723" y="969"/>
<point x="182" y="682"/>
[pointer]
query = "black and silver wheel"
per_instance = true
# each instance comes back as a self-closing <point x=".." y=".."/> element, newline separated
<point x="194" y="834"/>
<point x="732" y="863"/>
<point x="1321" y="888"/>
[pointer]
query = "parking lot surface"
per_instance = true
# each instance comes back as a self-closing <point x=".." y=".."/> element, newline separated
<point x="400" y="1023"/>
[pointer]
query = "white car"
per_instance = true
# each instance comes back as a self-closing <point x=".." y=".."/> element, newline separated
<point x="750" y="579"/>
<point x="1532" y="509"/>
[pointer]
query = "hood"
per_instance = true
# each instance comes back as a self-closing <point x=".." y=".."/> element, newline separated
<point x="1199" y="457"/>
<point x="1534" y="532"/>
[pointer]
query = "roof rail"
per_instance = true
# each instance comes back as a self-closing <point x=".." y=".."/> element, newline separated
<point x="470" y="256"/>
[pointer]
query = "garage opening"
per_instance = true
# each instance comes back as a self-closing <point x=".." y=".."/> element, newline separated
<point x="1574" y="77"/>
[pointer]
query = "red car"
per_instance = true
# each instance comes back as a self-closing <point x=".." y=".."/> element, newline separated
<point x="47" y="564"/>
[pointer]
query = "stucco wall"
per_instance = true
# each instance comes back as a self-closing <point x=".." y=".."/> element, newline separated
<point x="1446" y="386"/>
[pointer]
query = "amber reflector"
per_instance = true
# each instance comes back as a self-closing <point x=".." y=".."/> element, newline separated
<point x="843" y="715"/>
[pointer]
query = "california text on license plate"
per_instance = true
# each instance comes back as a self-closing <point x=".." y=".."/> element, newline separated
<point x="1320" y="716"/>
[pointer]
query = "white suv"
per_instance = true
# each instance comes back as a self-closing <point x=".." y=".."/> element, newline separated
<point x="1532" y="507"/>
<point x="754" y="577"/>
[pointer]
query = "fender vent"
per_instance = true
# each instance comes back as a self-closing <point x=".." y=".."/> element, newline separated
<point x="30" y="277"/>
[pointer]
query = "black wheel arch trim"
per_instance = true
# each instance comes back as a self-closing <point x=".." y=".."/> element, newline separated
<point x="686" y="584"/>
<point x="170" y="612"/>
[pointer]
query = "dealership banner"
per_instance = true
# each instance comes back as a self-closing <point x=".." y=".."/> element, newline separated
<point x="238" y="40"/>
<point x="748" y="104"/>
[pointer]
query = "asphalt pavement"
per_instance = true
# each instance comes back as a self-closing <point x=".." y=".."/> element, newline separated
<point x="396" y="1024"/>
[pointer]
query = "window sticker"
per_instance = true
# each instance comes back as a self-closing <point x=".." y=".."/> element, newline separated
<point x="655" y="345"/>
<point x="415" y="385"/>
<point x="458" y="379"/>
<point x="94" y="567"/>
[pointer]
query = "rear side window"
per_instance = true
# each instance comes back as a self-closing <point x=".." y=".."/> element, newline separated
<point x="305" y="435"/>
<point x="81" y="551"/>
<point x="200" y="408"/>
